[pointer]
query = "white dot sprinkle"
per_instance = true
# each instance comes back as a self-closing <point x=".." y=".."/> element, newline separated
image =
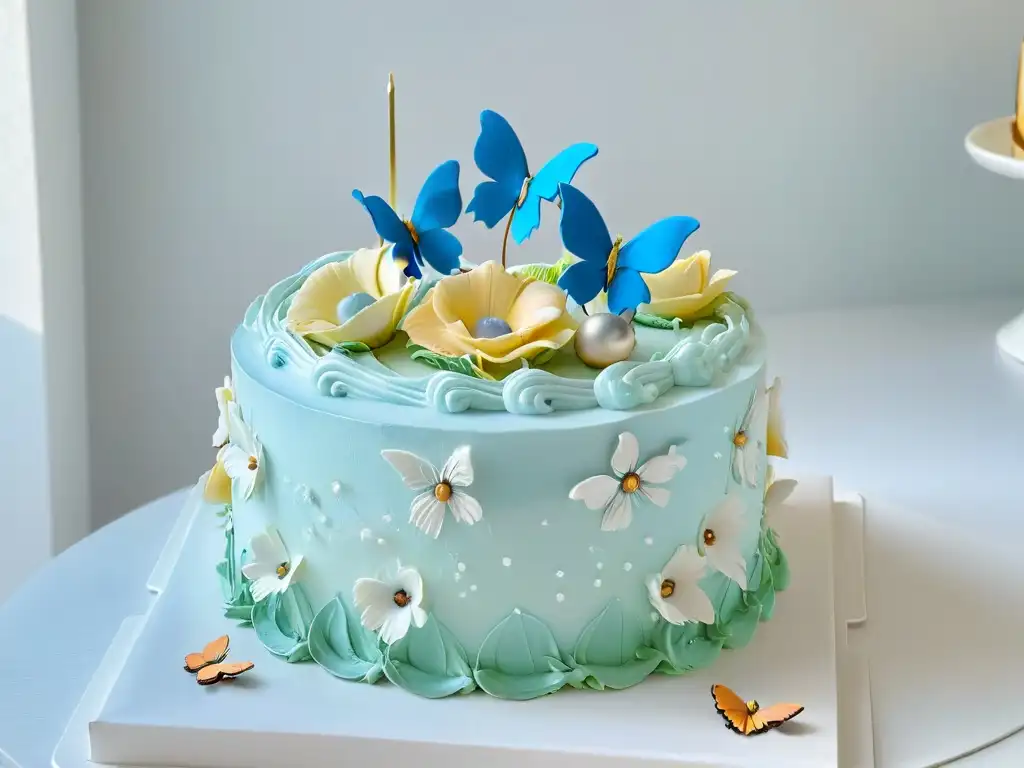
<point x="627" y="566"/>
<point x="336" y="488"/>
<point x="597" y="582"/>
<point x="559" y="574"/>
<point x="591" y="548"/>
<point x="462" y="594"/>
<point x="461" y="567"/>
<point x="544" y="522"/>
<point x="727" y="429"/>
<point x="386" y="518"/>
<point x="718" y="455"/>
<point x="654" y="615"/>
<point x="472" y="587"/>
<point x="600" y="566"/>
<point x="365" y="534"/>
<point x="560" y="597"/>
<point x="648" y="541"/>
<point x="322" y="519"/>
<point x="506" y="561"/>
<point x="458" y="577"/>
<point x="287" y="480"/>
<point x="308" y="534"/>
<point x="516" y="611"/>
<point x="381" y="542"/>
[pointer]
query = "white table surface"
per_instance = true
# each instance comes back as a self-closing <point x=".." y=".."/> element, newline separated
<point x="933" y="422"/>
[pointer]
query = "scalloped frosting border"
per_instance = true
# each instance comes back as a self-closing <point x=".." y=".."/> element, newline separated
<point x="519" y="658"/>
<point x="708" y="349"/>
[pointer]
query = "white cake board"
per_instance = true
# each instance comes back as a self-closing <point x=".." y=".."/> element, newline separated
<point x="991" y="147"/>
<point x="298" y="715"/>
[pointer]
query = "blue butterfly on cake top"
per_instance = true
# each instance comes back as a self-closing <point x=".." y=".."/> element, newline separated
<point x="513" y="190"/>
<point x="610" y="265"/>
<point x="424" y="237"/>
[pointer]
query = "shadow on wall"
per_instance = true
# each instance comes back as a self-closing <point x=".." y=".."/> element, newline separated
<point x="24" y="469"/>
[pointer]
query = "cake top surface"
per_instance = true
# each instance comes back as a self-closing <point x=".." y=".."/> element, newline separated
<point x="612" y="324"/>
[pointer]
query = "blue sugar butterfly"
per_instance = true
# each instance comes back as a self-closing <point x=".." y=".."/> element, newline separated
<point x="499" y="154"/>
<point x="609" y="265"/>
<point x="425" y="236"/>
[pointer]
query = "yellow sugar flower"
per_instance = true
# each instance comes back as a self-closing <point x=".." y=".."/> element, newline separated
<point x="218" y="484"/>
<point x="683" y="290"/>
<point x="360" y="299"/>
<point x="492" y="315"/>
<point x="776" y="441"/>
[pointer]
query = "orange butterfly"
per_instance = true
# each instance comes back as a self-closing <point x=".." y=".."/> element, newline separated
<point x="209" y="666"/>
<point x="748" y="717"/>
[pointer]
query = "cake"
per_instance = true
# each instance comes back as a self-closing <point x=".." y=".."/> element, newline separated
<point x="458" y="476"/>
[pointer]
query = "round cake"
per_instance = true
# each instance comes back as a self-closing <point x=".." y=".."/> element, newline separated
<point x="461" y="477"/>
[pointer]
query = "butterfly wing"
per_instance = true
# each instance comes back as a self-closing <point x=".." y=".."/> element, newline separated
<point x="558" y="170"/>
<point x="441" y="250"/>
<point x="584" y="234"/>
<point x="627" y="290"/>
<point x="214" y="652"/>
<point x="732" y="708"/>
<point x="439" y="203"/>
<point x="658" y="245"/>
<point x="217" y="672"/>
<point x="767" y="718"/>
<point x="387" y="223"/>
<point x="498" y="154"/>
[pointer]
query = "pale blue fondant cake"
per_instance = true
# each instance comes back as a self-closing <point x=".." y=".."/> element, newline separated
<point x="460" y="477"/>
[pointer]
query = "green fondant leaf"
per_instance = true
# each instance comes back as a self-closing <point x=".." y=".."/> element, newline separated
<point x="764" y="594"/>
<point x="461" y="365"/>
<point x="429" y="662"/>
<point x="683" y="648"/>
<point x="656" y="321"/>
<point x="607" y="650"/>
<point x="342" y="646"/>
<point x="234" y="586"/>
<point x="282" y="624"/>
<point x="776" y="559"/>
<point x="547" y="273"/>
<point x="740" y="628"/>
<point x="519" y="659"/>
<point x="350" y="348"/>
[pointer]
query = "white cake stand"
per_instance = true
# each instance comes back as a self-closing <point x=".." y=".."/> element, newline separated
<point x="992" y="148"/>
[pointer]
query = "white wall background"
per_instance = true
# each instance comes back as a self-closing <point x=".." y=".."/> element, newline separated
<point x="819" y="143"/>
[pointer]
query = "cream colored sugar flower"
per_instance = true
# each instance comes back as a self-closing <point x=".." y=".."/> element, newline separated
<point x="684" y="290"/>
<point x="492" y="315"/>
<point x="359" y="299"/>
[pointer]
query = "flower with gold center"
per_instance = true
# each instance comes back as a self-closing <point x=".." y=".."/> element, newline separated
<point x="675" y="593"/>
<point x="392" y="605"/>
<point x="272" y="570"/>
<point x="243" y="456"/>
<point x="685" y="290"/>
<point x="614" y="494"/>
<point x="439" y="490"/>
<point x="361" y="298"/>
<point x="492" y="315"/>
<point x="719" y="539"/>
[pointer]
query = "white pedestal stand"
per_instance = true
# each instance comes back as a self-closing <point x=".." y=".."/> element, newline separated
<point x="992" y="148"/>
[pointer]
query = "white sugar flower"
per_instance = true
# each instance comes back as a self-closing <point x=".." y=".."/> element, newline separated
<point x="440" y="490"/>
<point x="748" y="442"/>
<point x="271" y="570"/>
<point x="675" y="592"/>
<point x="224" y="396"/>
<point x="615" y="494"/>
<point x="390" y="607"/>
<point x="775" y="494"/>
<point x="718" y="539"/>
<point x="243" y="456"/>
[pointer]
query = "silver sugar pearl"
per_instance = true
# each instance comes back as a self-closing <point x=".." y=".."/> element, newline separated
<point x="604" y="338"/>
